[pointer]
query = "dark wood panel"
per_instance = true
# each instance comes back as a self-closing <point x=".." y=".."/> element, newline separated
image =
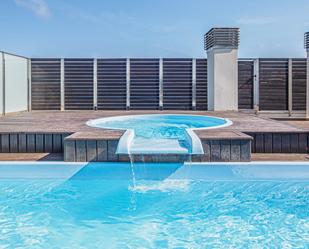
<point x="112" y="84"/>
<point x="201" y="84"/>
<point x="273" y="77"/>
<point x="144" y="84"/>
<point x="280" y="143"/>
<point x="299" y="75"/>
<point x="245" y="84"/>
<point x="177" y="84"/>
<point x="45" y="84"/>
<point x="78" y="84"/>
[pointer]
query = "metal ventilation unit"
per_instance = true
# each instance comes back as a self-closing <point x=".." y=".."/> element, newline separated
<point x="222" y="38"/>
<point x="307" y="41"/>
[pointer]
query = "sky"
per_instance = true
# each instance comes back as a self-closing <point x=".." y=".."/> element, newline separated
<point x="150" y="28"/>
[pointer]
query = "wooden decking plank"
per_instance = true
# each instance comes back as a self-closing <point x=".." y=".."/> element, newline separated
<point x="91" y="150"/>
<point x="235" y="150"/>
<point x="39" y="143"/>
<point x="22" y="143"/>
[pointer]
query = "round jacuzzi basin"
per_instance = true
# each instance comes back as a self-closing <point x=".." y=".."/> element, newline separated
<point x="160" y="133"/>
<point x="171" y="126"/>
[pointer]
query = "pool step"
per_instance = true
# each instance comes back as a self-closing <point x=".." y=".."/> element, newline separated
<point x="157" y="146"/>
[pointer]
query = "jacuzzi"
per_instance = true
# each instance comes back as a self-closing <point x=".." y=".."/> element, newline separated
<point x="160" y="133"/>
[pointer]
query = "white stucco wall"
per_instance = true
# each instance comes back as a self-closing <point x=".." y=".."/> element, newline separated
<point x="222" y="79"/>
<point x="210" y="81"/>
<point x="1" y="83"/>
<point x="16" y="83"/>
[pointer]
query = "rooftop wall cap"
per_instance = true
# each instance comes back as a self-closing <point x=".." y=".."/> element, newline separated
<point x="306" y="43"/>
<point x="222" y="38"/>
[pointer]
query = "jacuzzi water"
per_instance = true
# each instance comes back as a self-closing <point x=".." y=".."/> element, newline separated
<point x="160" y="133"/>
<point x="171" y="206"/>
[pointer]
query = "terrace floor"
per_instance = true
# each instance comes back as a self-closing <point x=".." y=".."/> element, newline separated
<point x="74" y="121"/>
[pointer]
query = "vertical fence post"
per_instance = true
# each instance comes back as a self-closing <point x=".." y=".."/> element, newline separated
<point x="3" y="83"/>
<point x="256" y="85"/>
<point x="290" y="86"/>
<point x="193" y="84"/>
<point x="128" y="80"/>
<point x="62" y="107"/>
<point x="161" y="84"/>
<point x="95" y="84"/>
<point x="307" y="86"/>
<point x="29" y="80"/>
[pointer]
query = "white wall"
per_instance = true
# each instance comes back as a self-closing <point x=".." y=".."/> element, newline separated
<point x="222" y="74"/>
<point x="16" y="83"/>
<point x="1" y="83"/>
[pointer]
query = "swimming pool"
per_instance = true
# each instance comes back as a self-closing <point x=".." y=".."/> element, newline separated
<point x="160" y="133"/>
<point x="97" y="205"/>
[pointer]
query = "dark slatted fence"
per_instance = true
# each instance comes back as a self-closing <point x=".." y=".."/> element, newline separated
<point x="45" y="85"/>
<point x="245" y="84"/>
<point x="201" y="84"/>
<point x="78" y="82"/>
<point x="273" y="84"/>
<point x="177" y="84"/>
<point x="299" y="84"/>
<point x="111" y="84"/>
<point x="144" y="86"/>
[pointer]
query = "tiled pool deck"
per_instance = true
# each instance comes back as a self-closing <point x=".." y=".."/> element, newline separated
<point x="44" y="131"/>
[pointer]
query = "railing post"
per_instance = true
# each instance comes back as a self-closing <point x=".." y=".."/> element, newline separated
<point x="161" y="84"/>
<point x="29" y="85"/>
<point x="128" y="80"/>
<point x="256" y="85"/>
<point x="95" y="84"/>
<point x="193" y="84"/>
<point x="290" y="87"/>
<point x="62" y="102"/>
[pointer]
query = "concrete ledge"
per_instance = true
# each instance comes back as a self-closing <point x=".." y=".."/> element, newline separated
<point x="222" y="134"/>
<point x="96" y="146"/>
<point x="103" y="134"/>
<point x="90" y="150"/>
<point x="225" y="150"/>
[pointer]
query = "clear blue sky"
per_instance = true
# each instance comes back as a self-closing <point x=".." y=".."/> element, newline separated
<point x="149" y="28"/>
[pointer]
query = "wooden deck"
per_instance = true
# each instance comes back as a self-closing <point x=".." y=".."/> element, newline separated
<point x="74" y="121"/>
<point x="44" y="132"/>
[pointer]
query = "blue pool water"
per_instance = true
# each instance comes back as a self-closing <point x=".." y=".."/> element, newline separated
<point x="160" y="132"/>
<point x="171" y="206"/>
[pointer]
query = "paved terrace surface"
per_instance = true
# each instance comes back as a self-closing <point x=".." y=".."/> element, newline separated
<point x="301" y="124"/>
<point x="75" y="121"/>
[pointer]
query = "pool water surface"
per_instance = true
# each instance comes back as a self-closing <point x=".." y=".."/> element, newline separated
<point x="97" y="205"/>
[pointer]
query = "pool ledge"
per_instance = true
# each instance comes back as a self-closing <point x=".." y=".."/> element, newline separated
<point x="111" y="146"/>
